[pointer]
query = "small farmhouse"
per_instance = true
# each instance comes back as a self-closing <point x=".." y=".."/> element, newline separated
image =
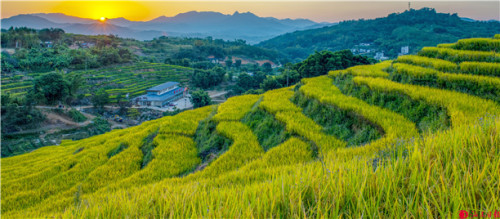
<point x="161" y="95"/>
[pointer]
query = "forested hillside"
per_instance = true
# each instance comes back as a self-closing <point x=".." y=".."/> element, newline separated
<point x="32" y="50"/>
<point x="414" y="28"/>
<point x="414" y="137"/>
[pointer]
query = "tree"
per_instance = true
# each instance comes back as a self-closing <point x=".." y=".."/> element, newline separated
<point x="267" y="67"/>
<point x="125" y="55"/>
<point x="52" y="86"/>
<point x="230" y="75"/>
<point x="270" y="83"/>
<point x="237" y="63"/>
<point x="255" y="67"/>
<point x="218" y="75"/>
<point x="200" y="98"/>
<point x="100" y="98"/>
<point x="50" y="34"/>
<point x="258" y="77"/>
<point x="320" y="63"/>
<point x="206" y="79"/>
<point x="74" y="83"/>
<point x="229" y="62"/>
<point x="108" y="56"/>
<point x="18" y="114"/>
<point x="245" y="81"/>
<point x="200" y="78"/>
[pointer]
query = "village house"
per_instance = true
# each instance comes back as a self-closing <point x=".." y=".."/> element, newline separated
<point x="161" y="95"/>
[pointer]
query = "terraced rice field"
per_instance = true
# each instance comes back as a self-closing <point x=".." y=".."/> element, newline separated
<point x="122" y="80"/>
<point x="429" y="127"/>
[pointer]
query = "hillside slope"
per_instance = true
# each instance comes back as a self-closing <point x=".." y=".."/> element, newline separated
<point x="116" y="80"/>
<point x="414" y="28"/>
<point x="415" y="137"/>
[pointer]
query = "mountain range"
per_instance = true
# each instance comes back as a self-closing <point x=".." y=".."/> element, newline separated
<point x="246" y="26"/>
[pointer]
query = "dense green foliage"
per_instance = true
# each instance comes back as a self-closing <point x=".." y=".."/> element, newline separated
<point x="49" y="49"/>
<point x="288" y="76"/>
<point x="51" y="88"/>
<point x="320" y="63"/>
<point x="316" y="64"/>
<point x="20" y="143"/>
<point x="122" y="146"/>
<point x="248" y="84"/>
<point x="18" y="118"/>
<point x="98" y="126"/>
<point x="76" y="115"/>
<point x="147" y="148"/>
<point x="269" y="131"/>
<point x="427" y="117"/>
<point x="208" y="142"/>
<point x="200" y="98"/>
<point x="414" y="28"/>
<point x="195" y="51"/>
<point x="207" y="78"/>
<point x="345" y="125"/>
<point x="100" y="98"/>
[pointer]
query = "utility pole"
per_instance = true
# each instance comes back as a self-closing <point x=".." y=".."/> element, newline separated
<point x="409" y="6"/>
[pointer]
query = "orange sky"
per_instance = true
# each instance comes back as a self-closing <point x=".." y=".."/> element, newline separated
<point x="330" y="11"/>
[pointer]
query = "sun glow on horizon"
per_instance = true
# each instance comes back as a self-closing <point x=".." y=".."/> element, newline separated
<point x="104" y="10"/>
<point x="319" y="11"/>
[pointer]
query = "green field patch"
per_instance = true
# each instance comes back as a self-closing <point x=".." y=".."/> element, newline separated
<point x="269" y="131"/>
<point x="345" y="125"/>
<point x="427" y="117"/>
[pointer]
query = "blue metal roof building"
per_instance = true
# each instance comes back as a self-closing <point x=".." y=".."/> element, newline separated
<point x="161" y="95"/>
<point x="165" y="86"/>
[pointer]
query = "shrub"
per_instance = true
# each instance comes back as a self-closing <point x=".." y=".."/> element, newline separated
<point x="76" y="115"/>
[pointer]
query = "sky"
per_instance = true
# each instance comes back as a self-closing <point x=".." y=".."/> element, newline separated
<point x="319" y="11"/>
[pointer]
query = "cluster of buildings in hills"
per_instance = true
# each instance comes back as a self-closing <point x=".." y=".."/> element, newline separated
<point x="367" y="49"/>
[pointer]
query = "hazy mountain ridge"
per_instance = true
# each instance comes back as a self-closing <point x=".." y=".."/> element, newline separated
<point x="62" y="18"/>
<point x="246" y="26"/>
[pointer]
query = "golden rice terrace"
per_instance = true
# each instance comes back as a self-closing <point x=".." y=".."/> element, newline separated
<point x="415" y="137"/>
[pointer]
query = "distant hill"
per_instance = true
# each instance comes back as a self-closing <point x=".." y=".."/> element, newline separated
<point x="31" y="21"/>
<point x="62" y="18"/>
<point x="246" y="26"/>
<point x="83" y="26"/>
<point x="414" y="28"/>
<point x="106" y="29"/>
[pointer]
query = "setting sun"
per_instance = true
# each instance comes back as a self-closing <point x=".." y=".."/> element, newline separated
<point x="104" y="10"/>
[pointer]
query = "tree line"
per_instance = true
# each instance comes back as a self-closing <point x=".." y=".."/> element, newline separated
<point x="49" y="49"/>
